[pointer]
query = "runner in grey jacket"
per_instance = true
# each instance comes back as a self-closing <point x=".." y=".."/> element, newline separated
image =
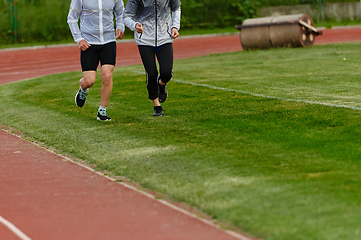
<point x="157" y="30"/>
<point x="155" y="24"/>
<point x="96" y="38"/>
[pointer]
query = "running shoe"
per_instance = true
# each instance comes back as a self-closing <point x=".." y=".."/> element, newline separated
<point x="102" y="116"/>
<point x="163" y="93"/>
<point x="80" y="98"/>
<point x="158" y="112"/>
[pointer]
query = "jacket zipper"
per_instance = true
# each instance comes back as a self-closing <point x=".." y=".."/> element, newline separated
<point x="101" y="30"/>
<point x="156" y="23"/>
<point x="170" y="35"/>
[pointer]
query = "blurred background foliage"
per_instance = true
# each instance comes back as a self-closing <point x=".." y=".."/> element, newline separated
<point x="45" y="20"/>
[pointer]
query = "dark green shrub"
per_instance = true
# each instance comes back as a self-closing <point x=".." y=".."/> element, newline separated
<point x="217" y="13"/>
<point x="43" y="21"/>
<point x="5" y="27"/>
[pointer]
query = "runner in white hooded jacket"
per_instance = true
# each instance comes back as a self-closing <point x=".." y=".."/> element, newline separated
<point x="96" y="38"/>
<point x="96" y="20"/>
<point x="155" y="24"/>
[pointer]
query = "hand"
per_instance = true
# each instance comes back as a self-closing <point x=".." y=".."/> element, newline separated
<point x="83" y="45"/>
<point x="139" y="28"/>
<point x="119" y="34"/>
<point x="175" y="33"/>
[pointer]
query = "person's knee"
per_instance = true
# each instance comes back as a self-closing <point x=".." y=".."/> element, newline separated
<point x="107" y="77"/>
<point x="107" y="73"/>
<point x="89" y="81"/>
<point x="166" y="76"/>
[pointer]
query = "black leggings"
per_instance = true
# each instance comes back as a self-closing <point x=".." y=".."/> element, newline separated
<point x="164" y="55"/>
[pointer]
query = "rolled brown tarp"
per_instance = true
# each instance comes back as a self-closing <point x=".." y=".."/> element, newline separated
<point x="283" y="31"/>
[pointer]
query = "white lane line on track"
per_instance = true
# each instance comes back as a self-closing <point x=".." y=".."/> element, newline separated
<point x="174" y="207"/>
<point x="14" y="229"/>
<point x="265" y="96"/>
<point x="260" y="95"/>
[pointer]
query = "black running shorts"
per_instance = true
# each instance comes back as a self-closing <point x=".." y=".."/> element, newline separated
<point x="106" y="54"/>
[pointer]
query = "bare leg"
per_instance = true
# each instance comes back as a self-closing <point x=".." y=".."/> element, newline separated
<point x="88" y="79"/>
<point x="107" y="84"/>
<point x="156" y="102"/>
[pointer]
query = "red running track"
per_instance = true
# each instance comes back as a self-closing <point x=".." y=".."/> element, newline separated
<point x="46" y="196"/>
<point x="29" y="63"/>
<point x="35" y="62"/>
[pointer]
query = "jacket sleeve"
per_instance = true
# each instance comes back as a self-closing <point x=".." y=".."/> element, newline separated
<point x="73" y="18"/>
<point x="130" y="13"/>
<point x="176" y="16"/>
<point x="174" y="5"/>
<point x="119" y="11"/>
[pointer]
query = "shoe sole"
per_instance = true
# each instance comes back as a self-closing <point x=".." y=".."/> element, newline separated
<point x="158" y="115"/>
<point x="106" y="120"/>
<point x="161" y="101"/>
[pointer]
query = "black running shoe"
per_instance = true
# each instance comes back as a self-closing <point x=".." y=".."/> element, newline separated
<point x="158" y="111"/>
<point x="102" y="116"/>
<point x="80" y="98"/>
<point x="163" y="93"/>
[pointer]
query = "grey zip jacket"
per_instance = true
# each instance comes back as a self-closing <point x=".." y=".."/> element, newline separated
<point x="158" y="17"/>
<point x="96" y="20"/>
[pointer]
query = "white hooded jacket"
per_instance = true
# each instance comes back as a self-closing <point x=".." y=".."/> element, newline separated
<point x="96" y="20"/>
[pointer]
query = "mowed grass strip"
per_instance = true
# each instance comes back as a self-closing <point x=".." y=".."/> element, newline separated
<point x="273" y="169"/>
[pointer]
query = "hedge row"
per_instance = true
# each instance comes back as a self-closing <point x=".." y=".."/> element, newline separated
<point x="45" y="20"/>
<point x="38" y="21"/>
<point x="268" y="3"/>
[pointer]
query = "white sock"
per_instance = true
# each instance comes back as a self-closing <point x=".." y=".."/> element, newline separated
<point x="86" y="90"/>
<point x="101" y="108"/>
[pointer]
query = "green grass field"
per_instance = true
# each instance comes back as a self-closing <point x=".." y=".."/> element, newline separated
<point x="265" y="141"/>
